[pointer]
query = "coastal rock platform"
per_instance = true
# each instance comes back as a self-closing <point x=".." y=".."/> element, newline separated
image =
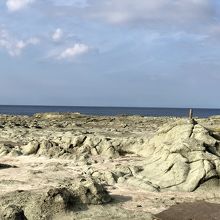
<point x="73" y="166"/>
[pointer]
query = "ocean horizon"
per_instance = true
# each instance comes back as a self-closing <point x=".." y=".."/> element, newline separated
<point x="108" y="111"/>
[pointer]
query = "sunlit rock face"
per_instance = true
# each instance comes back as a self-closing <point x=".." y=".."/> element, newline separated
<point x="182" y="156"/>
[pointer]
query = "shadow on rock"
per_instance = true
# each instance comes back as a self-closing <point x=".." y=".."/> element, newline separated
<point x="196" y="211"/>
<point x="120" y="199"/>
<point x="6" y="166"/>
<point x="13" y="212"/>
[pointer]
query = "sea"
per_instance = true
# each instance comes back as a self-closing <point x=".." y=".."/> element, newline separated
<point x="108" y="111"/>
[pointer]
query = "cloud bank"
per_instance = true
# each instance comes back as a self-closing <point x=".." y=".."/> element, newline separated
<point x="155" y="12"/>
<point x="13" y="46"/>
<point x="16" y="5"/>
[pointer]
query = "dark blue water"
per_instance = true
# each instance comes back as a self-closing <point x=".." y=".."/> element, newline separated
<point x="179" y="112"/>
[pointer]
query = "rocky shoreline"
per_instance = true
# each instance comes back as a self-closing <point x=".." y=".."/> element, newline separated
<point x="73" y="166"/>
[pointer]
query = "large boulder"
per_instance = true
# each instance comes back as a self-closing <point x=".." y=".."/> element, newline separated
<point x="181" y="156"/>
<point x="46" y="203"/>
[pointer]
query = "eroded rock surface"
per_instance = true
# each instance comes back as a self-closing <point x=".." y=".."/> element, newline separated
<point x="51" y="164"/>
<point x="182" y="156"/>
<point x="50" y="201"/>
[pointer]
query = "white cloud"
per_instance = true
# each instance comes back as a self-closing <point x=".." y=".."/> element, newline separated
<point x="72" y="52"/>
<point x="57" y="35"/>
<point x="16" y="5"/>
<point x="13" y="46"/>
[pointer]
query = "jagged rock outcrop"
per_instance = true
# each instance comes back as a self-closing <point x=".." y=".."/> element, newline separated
<point x="45" y="204"/>
<point x="181" y="156"/>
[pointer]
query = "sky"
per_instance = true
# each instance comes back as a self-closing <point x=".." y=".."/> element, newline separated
<point x="142" y="53"/>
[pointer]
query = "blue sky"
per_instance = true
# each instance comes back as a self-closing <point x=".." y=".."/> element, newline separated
<point x="153" y="53"/>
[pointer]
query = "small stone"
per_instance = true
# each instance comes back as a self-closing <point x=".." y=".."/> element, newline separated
<point x="30" y="148"/>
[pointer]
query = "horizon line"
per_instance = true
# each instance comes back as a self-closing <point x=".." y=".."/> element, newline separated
<point x="100" y="106"/>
